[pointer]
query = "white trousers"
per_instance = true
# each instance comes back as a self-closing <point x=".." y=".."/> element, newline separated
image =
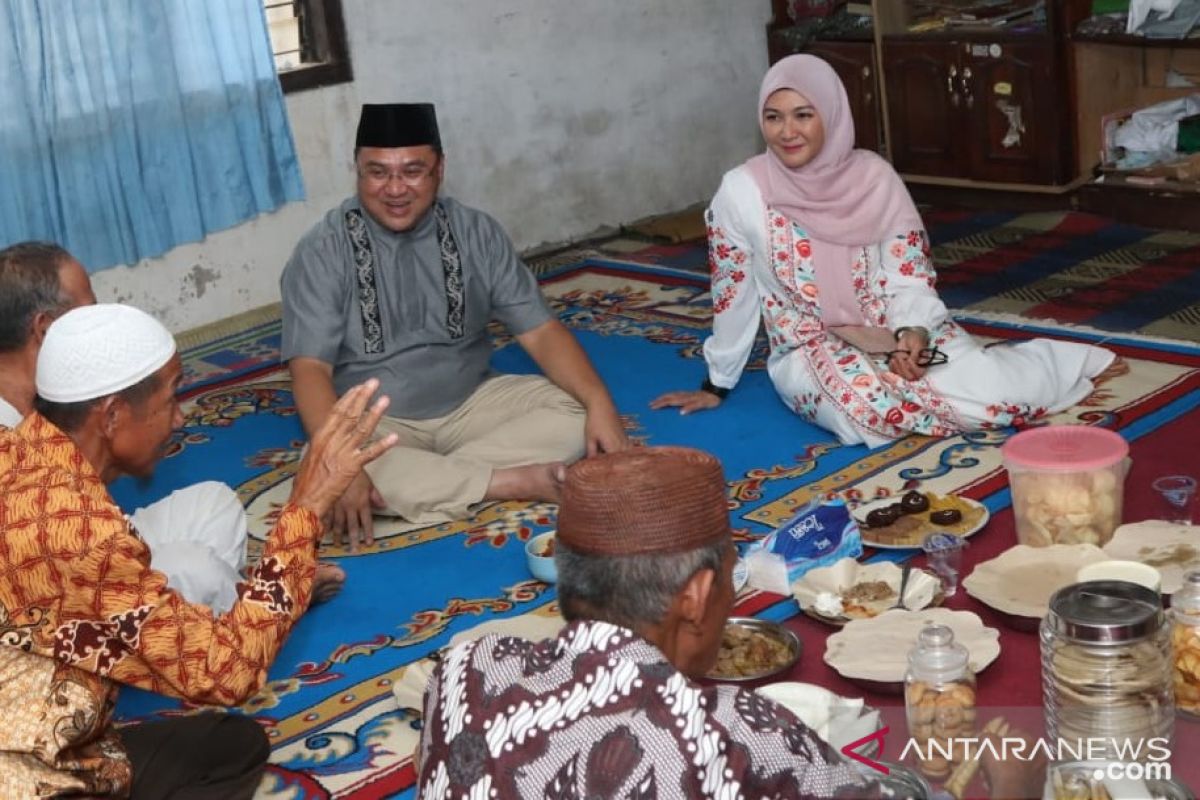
<point x="197" y="538"/>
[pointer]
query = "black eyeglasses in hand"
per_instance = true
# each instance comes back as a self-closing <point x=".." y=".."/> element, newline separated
<point x="926" y="356"/>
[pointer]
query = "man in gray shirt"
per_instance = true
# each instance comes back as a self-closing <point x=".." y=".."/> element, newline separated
<point x="399" y="284"/>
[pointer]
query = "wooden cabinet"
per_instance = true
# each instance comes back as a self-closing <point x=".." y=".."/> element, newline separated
<point x="924" y="109"/>
<point x="855" y="64"/>
<point x="989" y="106"/>
<point x="977" y="109"/>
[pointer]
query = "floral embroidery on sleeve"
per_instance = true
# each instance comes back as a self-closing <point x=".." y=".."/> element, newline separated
<point x="1004" y="415"/>
<point x="912" y="251"/>
<point x="728" y="265"/>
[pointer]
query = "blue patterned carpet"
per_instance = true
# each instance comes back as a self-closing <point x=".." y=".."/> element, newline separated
<point x="329" y="707"/>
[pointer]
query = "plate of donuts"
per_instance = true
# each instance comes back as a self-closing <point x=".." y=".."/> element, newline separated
<point x="898" y="523"/>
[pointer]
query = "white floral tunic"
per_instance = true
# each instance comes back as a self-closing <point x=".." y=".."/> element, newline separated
<point x="762" y="267"/>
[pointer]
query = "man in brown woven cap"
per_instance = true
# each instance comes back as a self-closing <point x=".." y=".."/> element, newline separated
<point x="609" y="708"/>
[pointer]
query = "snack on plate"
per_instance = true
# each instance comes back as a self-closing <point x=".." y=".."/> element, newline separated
<point x="746" y="653"/>
<point x="901" y="524"/>
<point x="863" y="600"/>
<point x="1065" y="508"/>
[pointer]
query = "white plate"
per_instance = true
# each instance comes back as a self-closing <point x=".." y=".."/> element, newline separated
<point x="860" y="514"/>
<point x="741" y="574"/>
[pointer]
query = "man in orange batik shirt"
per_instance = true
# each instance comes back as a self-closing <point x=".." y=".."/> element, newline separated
<point x="80" y="607"/>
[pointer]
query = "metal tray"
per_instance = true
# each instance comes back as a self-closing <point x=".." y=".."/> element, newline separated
<point x="771" y="629"/>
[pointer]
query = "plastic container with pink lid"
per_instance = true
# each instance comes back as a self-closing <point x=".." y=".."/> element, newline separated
<point x="1068" y="483"/>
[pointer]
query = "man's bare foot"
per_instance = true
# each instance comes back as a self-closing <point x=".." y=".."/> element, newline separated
<point x="530" y="482"/>
<point x="327" y="582"/>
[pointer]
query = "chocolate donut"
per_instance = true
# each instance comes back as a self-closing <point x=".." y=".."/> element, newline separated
<point x="914" y="502"/>
<point x="882" y="517"/>
<point x="947" y="516"/>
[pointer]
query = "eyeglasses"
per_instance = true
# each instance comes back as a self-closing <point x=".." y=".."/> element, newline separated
<point x="926" y="356"/>
<point x="412" y="175"/>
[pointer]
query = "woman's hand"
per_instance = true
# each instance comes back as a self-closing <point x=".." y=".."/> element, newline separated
<point x="687" y="402"/>
<point x="903" y="360"/>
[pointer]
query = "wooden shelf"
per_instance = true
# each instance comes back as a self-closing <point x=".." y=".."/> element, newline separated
<point x="966" y="183"/>
<point x="977" y="35"/>
<point x="1159" y="206"/>
<point x="1128" y="40"/>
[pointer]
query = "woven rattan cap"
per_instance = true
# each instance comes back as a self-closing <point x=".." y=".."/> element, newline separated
<point x="644" y="500"/>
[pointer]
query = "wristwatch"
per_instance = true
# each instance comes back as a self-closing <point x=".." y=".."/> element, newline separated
<point x="708" y="386"/>
<point x="924" y="332"/>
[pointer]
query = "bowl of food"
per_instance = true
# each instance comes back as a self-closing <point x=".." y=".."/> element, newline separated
<point x="539" y="553"/>
<point x="753" y="649"/>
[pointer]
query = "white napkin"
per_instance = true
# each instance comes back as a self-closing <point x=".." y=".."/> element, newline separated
<point x="837" y="720"/>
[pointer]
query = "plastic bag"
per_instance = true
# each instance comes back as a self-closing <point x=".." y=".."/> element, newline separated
<point x="817" y="535"/>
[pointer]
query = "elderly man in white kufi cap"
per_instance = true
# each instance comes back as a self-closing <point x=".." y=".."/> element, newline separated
<point x="85" y="611"/>
<point x="197" y="535"/>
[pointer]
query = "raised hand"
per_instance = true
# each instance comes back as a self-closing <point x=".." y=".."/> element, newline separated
<point x="340" y="449"/>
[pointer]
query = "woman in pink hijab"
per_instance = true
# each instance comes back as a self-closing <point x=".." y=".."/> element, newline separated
<point x="822" y="243"/>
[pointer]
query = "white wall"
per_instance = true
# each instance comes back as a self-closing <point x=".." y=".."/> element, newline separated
<point x="559" y="118"/>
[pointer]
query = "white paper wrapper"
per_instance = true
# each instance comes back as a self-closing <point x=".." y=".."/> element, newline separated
<point x="1022" y="579"/>
<point x="847" y="573"/>
<point x="1171" y="548"/>
<point x="876" y="649"/>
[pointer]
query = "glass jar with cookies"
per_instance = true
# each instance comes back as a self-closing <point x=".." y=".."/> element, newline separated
<point x="939" y="700"/>
<point x="1185" y="641"/>
<point x="1107" y="669"/>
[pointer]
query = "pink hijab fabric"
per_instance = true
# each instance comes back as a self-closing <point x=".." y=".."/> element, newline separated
<point x="844" y="198"/>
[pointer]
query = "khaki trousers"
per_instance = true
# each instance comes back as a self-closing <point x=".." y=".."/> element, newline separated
<point x="442" y="467"/>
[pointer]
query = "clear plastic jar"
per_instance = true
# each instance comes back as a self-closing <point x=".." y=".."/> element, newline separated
<point x="1106" y="669"/>
<point x="1185" y="641"/>
<point x="939" y="699"/>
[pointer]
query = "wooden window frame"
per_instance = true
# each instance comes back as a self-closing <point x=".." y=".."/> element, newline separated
<point x="328" y="28"/>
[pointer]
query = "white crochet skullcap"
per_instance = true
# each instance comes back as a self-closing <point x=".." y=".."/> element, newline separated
<point x="94" y="351"/>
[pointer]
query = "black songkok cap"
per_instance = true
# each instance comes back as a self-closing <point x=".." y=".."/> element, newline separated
<point x="397" y="125"/>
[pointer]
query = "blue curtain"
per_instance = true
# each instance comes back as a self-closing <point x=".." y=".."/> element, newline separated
<point x="132" y="126"/>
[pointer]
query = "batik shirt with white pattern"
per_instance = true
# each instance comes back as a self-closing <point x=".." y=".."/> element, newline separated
<point x="599" y="712"/>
